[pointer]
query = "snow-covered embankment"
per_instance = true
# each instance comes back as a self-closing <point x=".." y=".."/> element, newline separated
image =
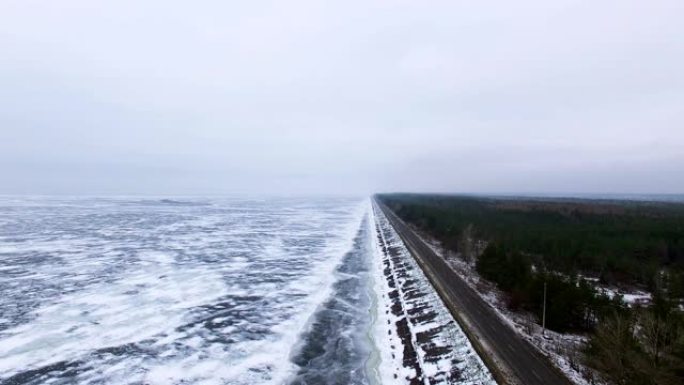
<point x="420" y="341"/>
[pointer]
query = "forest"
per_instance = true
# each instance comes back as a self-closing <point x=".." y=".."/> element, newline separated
<point x="522" y="244"/>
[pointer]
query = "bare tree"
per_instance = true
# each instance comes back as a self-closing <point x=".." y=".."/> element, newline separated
<point x="611" y="349"/>
<point x="466" y="244"/>
<point x="654" y="333"/>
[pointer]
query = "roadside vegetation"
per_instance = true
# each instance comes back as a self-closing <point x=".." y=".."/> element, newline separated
<point x="576" y="248"/>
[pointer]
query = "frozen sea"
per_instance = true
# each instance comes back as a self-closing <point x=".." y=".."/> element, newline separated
<point x="196" y="291"/>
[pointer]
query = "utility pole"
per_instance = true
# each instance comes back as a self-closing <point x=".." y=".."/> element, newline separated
<point x="544" y="313"/>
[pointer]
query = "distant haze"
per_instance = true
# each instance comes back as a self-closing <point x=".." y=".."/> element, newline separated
<point x="281" y="97"/>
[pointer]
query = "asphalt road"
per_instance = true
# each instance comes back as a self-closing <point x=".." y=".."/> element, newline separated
<point x="516" y="355"/>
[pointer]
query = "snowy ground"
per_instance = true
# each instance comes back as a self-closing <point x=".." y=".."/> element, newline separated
<point x="424" y="345"/>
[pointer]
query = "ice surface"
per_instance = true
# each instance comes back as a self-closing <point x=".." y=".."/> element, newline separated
<point x="125" y="291"/>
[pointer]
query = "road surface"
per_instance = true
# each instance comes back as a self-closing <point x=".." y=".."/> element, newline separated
<point x="515" y="360"/>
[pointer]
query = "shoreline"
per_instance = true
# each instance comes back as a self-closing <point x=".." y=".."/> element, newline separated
<point x="374" y="359"/>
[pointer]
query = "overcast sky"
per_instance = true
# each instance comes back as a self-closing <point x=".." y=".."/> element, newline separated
<point x="213" y="97"/>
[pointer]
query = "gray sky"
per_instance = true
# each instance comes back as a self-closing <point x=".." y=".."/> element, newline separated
<point x="207" y="97"/>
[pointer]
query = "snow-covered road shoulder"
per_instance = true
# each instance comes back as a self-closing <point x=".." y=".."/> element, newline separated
<point x="420" y="343"/>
